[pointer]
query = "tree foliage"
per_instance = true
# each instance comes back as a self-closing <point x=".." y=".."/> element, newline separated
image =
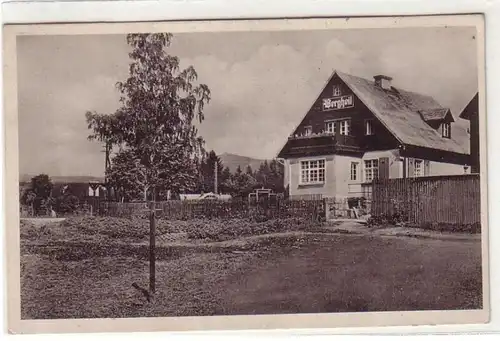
<point x="270" y="175"/>
<point x="159" y="146"/>
<point x="38" y="195"/>
<point x="209" y="164"/>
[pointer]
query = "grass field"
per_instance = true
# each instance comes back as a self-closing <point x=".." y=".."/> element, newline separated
<point x="71" y="271"/>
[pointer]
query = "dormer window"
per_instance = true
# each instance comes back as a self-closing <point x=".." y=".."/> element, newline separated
<point x="446" y="130"/>
<point x="307" y="130"/>
<point x="336" y="90"/>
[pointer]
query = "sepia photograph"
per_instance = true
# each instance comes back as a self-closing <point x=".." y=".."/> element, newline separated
<point x="229" y="169"/>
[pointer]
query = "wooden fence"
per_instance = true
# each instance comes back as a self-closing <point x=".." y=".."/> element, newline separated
<point x="438" y="199"/>
<point x="193" y="209"/>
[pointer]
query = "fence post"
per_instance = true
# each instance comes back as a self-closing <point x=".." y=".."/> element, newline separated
<point x="152" y="242"/>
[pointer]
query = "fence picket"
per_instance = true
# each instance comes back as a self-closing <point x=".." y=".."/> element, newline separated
<point x="453" y="199"/>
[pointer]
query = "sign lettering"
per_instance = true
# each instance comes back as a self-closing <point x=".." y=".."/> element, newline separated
<point x="337" y="103"/>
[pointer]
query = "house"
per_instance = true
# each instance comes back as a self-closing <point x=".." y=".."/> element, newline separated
<point x="358" y="130"/>
<point x="471" y="113"/>
<point x="82" y="190"/>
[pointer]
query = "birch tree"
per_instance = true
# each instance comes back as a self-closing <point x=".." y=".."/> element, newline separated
<point x="154" y="128"/>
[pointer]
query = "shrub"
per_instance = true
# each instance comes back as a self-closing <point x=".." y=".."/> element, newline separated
<point x="387" y="219"/>
<point x="233" y="228"/>
<point x="67" y="204"/>
<point x="448" y="227"/>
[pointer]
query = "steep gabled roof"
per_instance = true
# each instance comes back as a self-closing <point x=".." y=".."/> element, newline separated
<point x="471" y="108"/>
<point x="400" y="112"/>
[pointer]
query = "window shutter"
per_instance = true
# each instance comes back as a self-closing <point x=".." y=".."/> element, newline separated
<point x="411" y="168"/>
<point x="427" y="167"/>
<point x="383" y="168"/>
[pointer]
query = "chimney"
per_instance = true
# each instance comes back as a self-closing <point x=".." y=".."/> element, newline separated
<point x="383" y="81"/>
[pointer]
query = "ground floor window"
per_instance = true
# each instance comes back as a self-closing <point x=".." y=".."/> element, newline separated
<point x="312" y="171"/>
<point x="371" y="170"/>
<point x="418" y="168"/>
<point x="354" y="171"/>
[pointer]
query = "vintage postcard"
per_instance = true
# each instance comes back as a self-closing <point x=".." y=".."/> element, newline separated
<point x="247" y="174"/>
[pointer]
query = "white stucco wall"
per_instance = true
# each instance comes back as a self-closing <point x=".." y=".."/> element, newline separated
<point x="395" y="165"/>
<point x="441" y="168"/>
<point x="338" y="173"/>
<point x="293" y="178"/>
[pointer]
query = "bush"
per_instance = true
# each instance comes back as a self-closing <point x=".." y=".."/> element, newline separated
<point x="108" y="226"/>
<point x="67" y="204"/>
<point x="233" y="228"/>
<point x="100" y="229"/>
<point x="398" y="218"/>
<point x="387" y="219"/>
<point x="447" y="227"/>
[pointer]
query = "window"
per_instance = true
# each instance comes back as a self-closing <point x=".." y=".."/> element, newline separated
<point x="418" y="168"/>
<point x="345" y="127"/>
<point x="446" y="130"/>
<point x="354" y="171"/>
<point x="368" y="127"/>
<point x="312" y="171"/>
<point x="331" y="127"/>
<point x="371" y="170"/>
<point x="308" y="130"/>
<point x="336" y="90"/>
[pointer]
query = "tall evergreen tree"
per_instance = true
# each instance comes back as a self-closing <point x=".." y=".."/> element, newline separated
<point x="208" y="166"/>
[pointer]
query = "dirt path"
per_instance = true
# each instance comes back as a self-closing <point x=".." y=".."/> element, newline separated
<point x="39" y="222"/>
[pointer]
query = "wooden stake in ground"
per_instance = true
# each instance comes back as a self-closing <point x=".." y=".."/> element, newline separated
<point x="152" y="246"/>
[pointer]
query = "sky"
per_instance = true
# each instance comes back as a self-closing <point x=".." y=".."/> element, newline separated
<point x="262" y="84"/>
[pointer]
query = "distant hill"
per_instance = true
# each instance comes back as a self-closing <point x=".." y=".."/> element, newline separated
<point x="233" y="161"/>
<point x="63" y="179"/>
<point x="228" y="160"/>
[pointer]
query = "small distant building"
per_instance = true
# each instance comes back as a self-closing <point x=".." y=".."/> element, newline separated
<point x="82" y="190"/>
